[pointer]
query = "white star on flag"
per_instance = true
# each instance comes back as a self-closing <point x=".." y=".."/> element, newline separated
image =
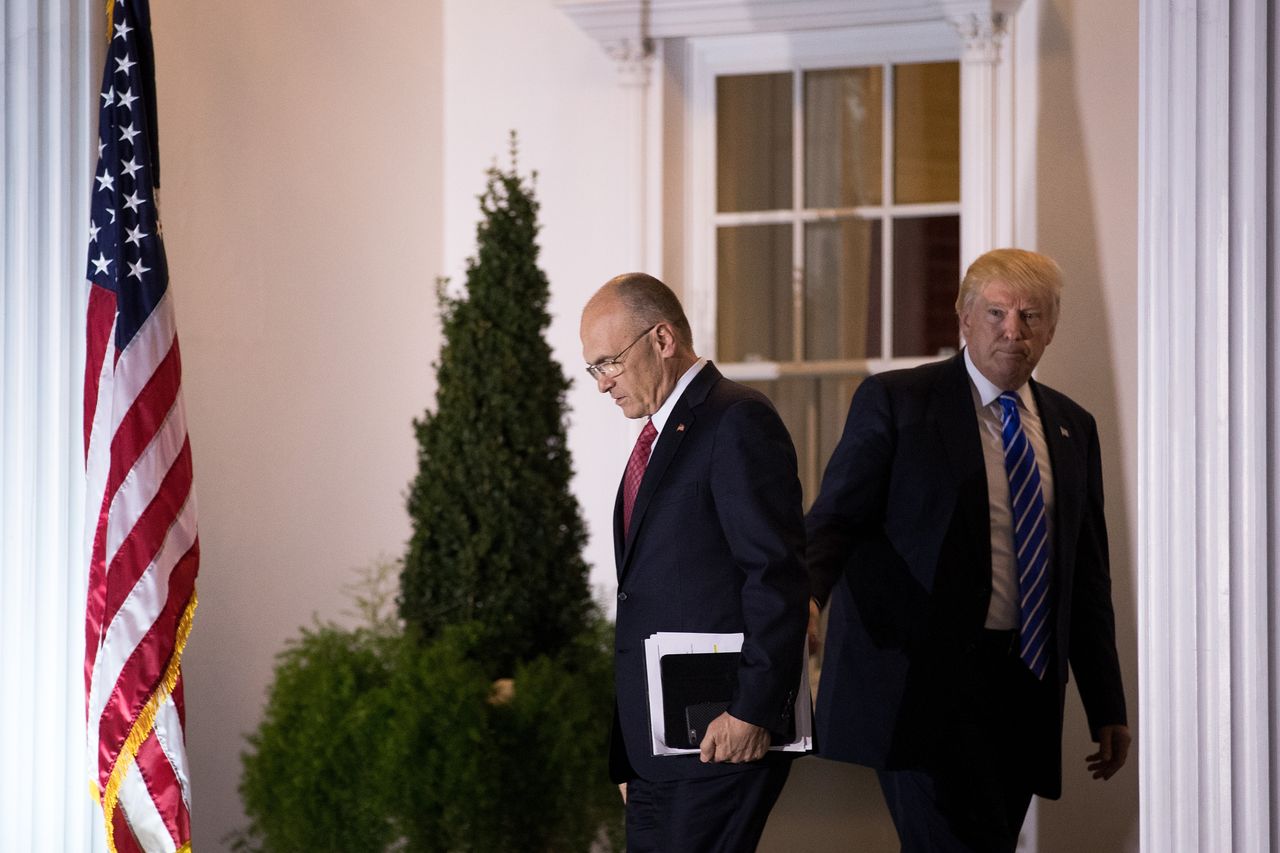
<point x="135" y="236"/>
<point x="101" y="263"/>
<point x="136" y="270"/>
<point x="123" y="64"/>
<point x="105" y="181"/>
<point x="128" y="133"/>
<point x="132" y="201"/>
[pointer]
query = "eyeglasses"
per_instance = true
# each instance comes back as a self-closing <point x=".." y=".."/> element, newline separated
<point x="611" y="367"/>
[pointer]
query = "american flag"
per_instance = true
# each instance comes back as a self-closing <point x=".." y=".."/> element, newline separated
<point x="140" y="508"/>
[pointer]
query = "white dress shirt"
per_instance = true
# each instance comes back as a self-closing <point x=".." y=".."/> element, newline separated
<point x="1002" y="613"/>
<point x="659" y="418"/>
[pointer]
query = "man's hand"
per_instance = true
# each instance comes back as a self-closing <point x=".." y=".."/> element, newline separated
<point x="622" y="789"/>
<point x="815" y="612"/>
<point x="733" y="741"/>
<point x="1113" y="749"/>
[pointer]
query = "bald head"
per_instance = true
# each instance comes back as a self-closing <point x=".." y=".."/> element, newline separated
<point x="636" y="342"/>
<point x="645" y="302"/>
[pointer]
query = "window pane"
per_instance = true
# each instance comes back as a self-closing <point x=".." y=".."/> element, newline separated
<point x="753" y="142"/>
<point x="842" y="289"/>
<point x="926" y="132"/>
<point x="926" y="276"/>
<point x="843" y="123"/>
<point x="753" y="302"/>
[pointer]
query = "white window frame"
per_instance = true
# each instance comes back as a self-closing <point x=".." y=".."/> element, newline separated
<point x="766" y="53"/>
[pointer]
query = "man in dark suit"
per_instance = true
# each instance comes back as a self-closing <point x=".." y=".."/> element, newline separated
<point x="708" y="537"/>
<point x="959" y="535"/>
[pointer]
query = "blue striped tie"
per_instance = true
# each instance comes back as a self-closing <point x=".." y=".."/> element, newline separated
<point x="1030" y="537"/>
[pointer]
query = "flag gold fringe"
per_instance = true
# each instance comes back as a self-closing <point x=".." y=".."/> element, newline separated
<point x="111" y="8"/>
<point x="143" y="724"/>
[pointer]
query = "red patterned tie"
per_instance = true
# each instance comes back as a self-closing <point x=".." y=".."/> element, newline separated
<point x="635" y="472"/>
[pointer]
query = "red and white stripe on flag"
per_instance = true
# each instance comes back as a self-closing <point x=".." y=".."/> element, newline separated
<point x="142" y="546"/>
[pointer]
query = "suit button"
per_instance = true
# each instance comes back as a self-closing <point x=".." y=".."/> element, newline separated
<point x="622" y="596"/>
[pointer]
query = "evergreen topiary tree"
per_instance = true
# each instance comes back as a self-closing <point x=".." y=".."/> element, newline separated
<point x="398" y="735"/>
<point x="497" y="536"/>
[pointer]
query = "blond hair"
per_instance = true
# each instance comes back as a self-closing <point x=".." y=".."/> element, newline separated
<point x="1027" y="273"/>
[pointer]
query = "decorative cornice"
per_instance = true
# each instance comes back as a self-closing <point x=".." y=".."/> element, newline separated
<point x="981" y="34"/>
<point x="981" y="25"/>
<point x="610" y="20"/>
<point x="955" y="9"/>
<point x="626" y="27"/>
<point x="634" y="58"/>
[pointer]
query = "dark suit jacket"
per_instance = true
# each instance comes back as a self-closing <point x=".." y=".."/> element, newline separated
<point x="716" y="544"/>
<point x="900" y="537"/>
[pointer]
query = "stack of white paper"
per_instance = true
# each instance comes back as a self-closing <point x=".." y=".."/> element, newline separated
<point x="673" y="643"/>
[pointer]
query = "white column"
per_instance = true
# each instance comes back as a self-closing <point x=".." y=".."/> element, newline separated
<point x="978" y="132"/>
<point x="988" y="169"/>
<point x="50" y="61"/>
<point x="1206" y="653"/>
<point x="1273" y="475"/>
<point x="635" y="60"/>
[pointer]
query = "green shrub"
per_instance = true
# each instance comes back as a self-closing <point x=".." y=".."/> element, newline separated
<point x="316" y="777"/>
<point x="556" y="734"/>
<point x="528" y="774"/>
<point x="372" y="742"/>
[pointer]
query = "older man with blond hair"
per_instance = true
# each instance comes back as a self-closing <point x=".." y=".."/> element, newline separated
<point x="959" y="539"/>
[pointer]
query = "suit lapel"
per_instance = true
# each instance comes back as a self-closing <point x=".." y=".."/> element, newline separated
<point x="951" y="410"/>
<point x="953" y="415"/>
<point x="1067" y="476"/>
<point x="617" y="528"/>
<point x="673" y="433"/>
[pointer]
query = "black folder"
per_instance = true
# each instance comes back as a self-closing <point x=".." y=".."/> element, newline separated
<point x="696" y="688"/>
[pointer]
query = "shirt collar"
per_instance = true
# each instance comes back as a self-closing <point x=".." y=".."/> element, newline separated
<point x="659" y="417"/>
<point x="989" y="391"/>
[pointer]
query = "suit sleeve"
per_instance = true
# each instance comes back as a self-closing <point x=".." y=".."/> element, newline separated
<point x="850" y="508"/>
<point x="757" y="497"/>
<point x="1093" y="625"/>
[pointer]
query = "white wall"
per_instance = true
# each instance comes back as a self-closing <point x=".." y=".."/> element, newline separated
<point x="524" y="66"/>
<point x="301" y="168"/>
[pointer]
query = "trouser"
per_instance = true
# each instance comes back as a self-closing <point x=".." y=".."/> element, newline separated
<point x="972" y="795"/>
<point x="716" y="814"/>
